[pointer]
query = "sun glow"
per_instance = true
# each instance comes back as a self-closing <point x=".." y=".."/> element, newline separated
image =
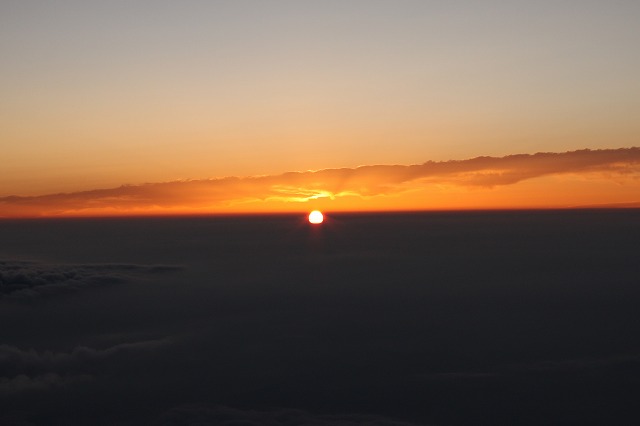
<point x="316" y="217"/>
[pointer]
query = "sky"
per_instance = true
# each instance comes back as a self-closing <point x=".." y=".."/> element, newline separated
<point x="96" y="95"/>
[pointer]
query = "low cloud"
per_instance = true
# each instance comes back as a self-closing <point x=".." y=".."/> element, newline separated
<point x="12" y="357"/>
<point x="605" y="366"/>
<point x="24" y="383"/>
<point x="27" y="280"/>
<point x="230" y="193"/>
<point x="204" y="414"/>
<point x="25" y="370"/>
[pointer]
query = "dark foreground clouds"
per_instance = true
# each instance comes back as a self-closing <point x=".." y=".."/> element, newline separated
<point x="220" y="415"/>
<point x="29" y="370"/>
<point x="26" y="280"/>
<point x="17" y="360"/>
<point x="48" y="381"/>
<point x="468" y="318"/>
<point x="365" y="181"/>
<point x="611" y="367"/>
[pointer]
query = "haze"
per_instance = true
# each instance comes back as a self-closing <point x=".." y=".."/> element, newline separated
<point x="100" y="94"/>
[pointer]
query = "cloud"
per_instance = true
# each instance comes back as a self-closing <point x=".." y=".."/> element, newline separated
<point x="203" y="414"/>
<point x="26" y="280"/>
<point x="16" y="358"/>
<point x="577" y="366"/>
<point x="24" y="383"/>
<point x="31" y="370"/>
<point x="231" y="193"/>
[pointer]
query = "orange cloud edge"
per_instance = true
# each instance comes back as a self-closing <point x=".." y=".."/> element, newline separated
<point x="605" y="178"/>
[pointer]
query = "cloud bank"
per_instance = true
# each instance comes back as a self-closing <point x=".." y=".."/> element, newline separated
<point x="27" y="280"/>
<point x="603" y="366"/>
<point x="220" y="415"/>
<point x="24" y="383"/>
<point x="31" y="370"/>
<point x="231" y="193"/>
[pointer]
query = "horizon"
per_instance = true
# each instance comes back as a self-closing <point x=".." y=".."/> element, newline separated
<point x="101" y="95"/>
<point x="476" y="166"/>
<point x="440" y="318"/>
<point x="577" y="179"/>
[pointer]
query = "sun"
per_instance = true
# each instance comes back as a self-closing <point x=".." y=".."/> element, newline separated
<point x="316" y="217"/>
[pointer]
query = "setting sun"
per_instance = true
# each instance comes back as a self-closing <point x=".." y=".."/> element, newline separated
<point x="316" y="217"/>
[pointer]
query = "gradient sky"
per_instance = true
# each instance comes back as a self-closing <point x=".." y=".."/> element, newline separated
<point x="96" y="94"/>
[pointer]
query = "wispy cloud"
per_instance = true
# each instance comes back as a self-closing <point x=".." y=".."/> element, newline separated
<point x="217" y="414"/>
<point x="366" y="181"/>
<point x="24" y="383"/>
<point x="604" y="366"/>
<point x="20" y="280"/>
<point x="30" y="370"/>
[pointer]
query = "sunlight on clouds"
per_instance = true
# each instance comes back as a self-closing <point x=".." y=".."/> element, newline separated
<point x="299" y="195"/>
<point x="517" y="181"/>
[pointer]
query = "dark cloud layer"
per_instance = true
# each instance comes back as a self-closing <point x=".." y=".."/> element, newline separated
<point x="362" y="181"/>
<point x="465" y="318"/>
<point x="24" y="383"/>
<point x="25" y="280"/>
<point x="605" y="366"/>
<point x="32" y="370"/>
<point x="14" y="358"/>
<point x="196" y="414"/>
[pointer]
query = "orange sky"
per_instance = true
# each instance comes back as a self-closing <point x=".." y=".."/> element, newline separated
<point x="585" y="178"/>
<point x="199" y="106"/>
